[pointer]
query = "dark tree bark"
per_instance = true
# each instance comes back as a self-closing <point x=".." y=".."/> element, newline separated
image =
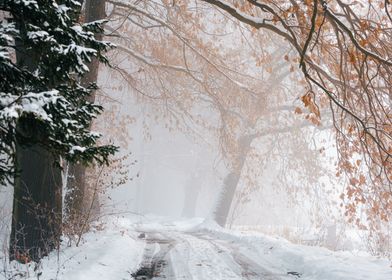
<point x="230" y="182"/>
<point x="37" y="205"/>
<point x="76" y="180"/>
<point x="37" y="211"/>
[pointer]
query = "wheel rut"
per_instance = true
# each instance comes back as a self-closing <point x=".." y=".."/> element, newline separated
<point x="199" y="256"/>
<point x="249" y="269"/>
<point x="156" y="263"/>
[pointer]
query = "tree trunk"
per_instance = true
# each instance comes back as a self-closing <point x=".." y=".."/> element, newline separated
<point x="37" y="203"/>
<point x="37" y="211"/>
<point x="226" y="197"/>
<point x="76" y="182"/>
<point x="192" y="191"/>
<point x="231" y="181"/>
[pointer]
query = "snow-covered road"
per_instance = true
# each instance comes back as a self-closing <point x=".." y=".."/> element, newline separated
<point x="199" y="255"/>
<point x="148" y="247"/>
<point x="200" y="250"/>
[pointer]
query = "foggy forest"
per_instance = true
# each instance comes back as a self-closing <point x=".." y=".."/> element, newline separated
<point x="196" y="139"/>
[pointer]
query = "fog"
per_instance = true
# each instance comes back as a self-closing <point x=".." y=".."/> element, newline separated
<point x="180" y="173"/>
<point x="215" y="120"/>
<point x="194" y="139"/>
<point x="167" y="166"/>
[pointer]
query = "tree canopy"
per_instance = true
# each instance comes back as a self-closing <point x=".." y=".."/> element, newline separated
<point x="43" y="54"/>
<point x="344" y="51"/>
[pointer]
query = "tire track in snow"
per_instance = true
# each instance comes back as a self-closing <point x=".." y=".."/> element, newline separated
<point x="202" y="260"/>
<point x="174" y="255"/>
<point x="155" y="263"/>
<point x="250" y="269"/>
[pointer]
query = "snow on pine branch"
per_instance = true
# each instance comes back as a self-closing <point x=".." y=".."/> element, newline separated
<point x="42" y="100"/>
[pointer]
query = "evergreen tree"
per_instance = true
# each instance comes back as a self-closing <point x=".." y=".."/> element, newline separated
<point x="45" y="114"/>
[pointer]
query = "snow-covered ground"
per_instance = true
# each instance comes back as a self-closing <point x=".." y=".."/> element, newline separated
<point x="147" y="247"/>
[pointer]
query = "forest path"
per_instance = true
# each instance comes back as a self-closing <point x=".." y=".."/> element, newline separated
<point x="161" y="248"/>
<point x="199" y="255"/>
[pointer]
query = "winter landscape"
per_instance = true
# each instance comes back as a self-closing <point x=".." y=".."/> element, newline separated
<point x="195" y="139"/>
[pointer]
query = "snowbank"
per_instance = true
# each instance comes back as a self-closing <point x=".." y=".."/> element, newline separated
<point x="117" y="251"/>
<point x="112" y="253"/>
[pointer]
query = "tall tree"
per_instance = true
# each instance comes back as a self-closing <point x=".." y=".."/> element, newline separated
<point x="44" y="114"/>
<point x="343" y="51"/>
<point x="93" y="10"/>
<point x="170" y="55"/>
